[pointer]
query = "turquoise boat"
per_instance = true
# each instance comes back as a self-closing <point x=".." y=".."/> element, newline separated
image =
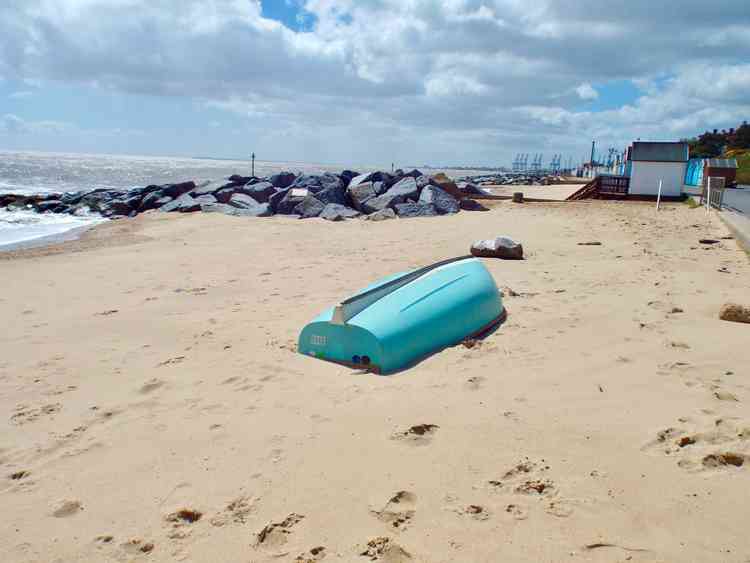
<point x="399" y="320"/>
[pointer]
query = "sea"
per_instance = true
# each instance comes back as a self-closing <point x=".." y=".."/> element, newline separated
<point x="35" y="173"/>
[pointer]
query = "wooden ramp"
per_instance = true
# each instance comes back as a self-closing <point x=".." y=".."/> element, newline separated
<point x="603" y="187"/>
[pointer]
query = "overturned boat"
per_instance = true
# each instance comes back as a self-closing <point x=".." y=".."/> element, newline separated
<point x="404" y="318"/>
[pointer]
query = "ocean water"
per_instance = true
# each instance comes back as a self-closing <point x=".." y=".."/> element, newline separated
<point x="34" y="173"/>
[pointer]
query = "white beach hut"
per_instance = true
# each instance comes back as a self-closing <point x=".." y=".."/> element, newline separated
<point x="652" y="161"/>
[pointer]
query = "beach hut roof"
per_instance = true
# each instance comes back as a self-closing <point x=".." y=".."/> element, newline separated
<point x="660" y="151"/>
<point x="721" y="163"/>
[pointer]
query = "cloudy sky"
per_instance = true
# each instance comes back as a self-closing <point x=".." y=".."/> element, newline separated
<point x="368" y="81"/>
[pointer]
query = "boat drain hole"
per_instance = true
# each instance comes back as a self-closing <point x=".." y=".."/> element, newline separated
<point x="366" y="360"/>
<point x="356" y="359"/>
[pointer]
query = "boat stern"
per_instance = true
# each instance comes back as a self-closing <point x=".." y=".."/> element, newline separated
<point x="345" y="344"/>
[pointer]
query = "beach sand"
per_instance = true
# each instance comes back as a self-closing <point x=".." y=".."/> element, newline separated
<point x="153" y="408"/>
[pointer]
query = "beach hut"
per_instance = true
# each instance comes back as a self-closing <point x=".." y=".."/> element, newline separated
<point x="700" y="169"/>
<point x="653" y="161"/>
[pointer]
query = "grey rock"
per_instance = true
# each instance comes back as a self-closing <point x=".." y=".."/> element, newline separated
<point x="500" y="247"/>
<point x="291" y="200"/>
<point x="276" y="198"/>
<point x="240" y="180"/>
<point x="53" y="205"/>
<point x="282" y="180"/>
<point x="360" y="193"/>
<point x="310" y="182"/>
<point x="443" y="201"/>
<point x="176" y="190"/>
<point x="210" y="187"/>
<point x="260" y="210"/>
<point x="71" y="198"/>
<point x="346" y="177"/>
<point x="406" y="187"/>
<point x="225" y="194"/>
<point x="415" y="210"/>
<point x="333" y="193"/>
<point x="309" y="207"/>
<point x="115" y="208"/>
<point x="206" y="199"/>
<point x="260" y="191"/>
<point x="184" y="204"/>
<point x="242" y="201"/>
<point x="337" y="212"/>
<point x="423" y="181"/>
<point x="151" y="200"/>
<point x="469" y="188"/>
<point x="361" y="179"/>
<point x="381" y="215"/>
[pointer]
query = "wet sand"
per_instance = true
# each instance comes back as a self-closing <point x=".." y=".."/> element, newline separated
<point x="153" y="408"/>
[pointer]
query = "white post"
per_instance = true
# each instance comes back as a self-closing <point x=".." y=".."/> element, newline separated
<point x="708" y="196"/>
<point x="658" y="196"/>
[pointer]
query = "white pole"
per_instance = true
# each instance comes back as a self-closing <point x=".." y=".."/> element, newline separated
<point x="658" y="196"/>
<point x="708" y="199"/>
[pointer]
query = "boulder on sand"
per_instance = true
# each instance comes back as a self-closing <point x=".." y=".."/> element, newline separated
<point x="242" y="201"/>
<point x="309" y="207"/>
<point x="405" y="189"/>
<point x="290" y="200"/>
<point x="446" y="184"/>
<point x="443" y="201"/>
<point x="260" y="192"/>
<point x="184" y="204"/>
<point x="337" y="212"/>
<point x="500" y="247"/>
<point x="360" y="193"/>
<point x="416" y="210"/>
<point x="260" y="210"/>
<point x="734" y="312"/>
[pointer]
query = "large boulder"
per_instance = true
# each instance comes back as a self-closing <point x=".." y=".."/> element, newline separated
<point x="337" y="212"/>
<point x="310" y="182"/>
<point x="260" y="191"/>
<point x="290" y="200"/>
<point x="276" y="198"/>
<point x="225" y="194"/>
<point x="241" y="201"/>
<point x="209" y="187"/>
<point x="446" y="184"/>
<point x="443" y="201"/>
<point x="411" y="209"/>
<point x="405" y="189"/>
<point x="381" y="215"/>
<point x="347" y="175"/>
<point x="471" y="189"/>
<point x="151" y="200"/>
<point x="500" y="247"/>
<point x="176" y="190"/>
<point x="360" y="193"/>
<point x="52" y="205"/>
<point x="115" y="208"/>
<point x="413" y="173"/>
<point x="206" y="199"/>
<point x="184" y="204"/>
<point x="309" y="207"/>
<point x="378" y="176"/>
<point x="735" y="312"/>
<point x="282" y="179"/>
<point x="333" y="193"/>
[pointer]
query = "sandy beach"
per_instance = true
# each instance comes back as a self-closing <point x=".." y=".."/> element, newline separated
<point x="153" y="407"/>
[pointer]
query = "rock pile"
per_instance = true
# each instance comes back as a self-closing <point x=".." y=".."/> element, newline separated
<point x="335" y="197"/>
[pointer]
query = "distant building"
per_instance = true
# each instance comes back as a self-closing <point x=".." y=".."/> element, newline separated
<point x="700" y="169"/>
<point x="649" y="162"/>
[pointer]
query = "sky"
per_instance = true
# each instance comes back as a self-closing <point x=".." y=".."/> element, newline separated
<point x="470" y="82"/>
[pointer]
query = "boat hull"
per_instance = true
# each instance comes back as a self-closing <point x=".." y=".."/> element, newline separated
<point x="404" y="318"/>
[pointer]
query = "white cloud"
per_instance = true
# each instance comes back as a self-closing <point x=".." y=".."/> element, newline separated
<point x="489" y="71"/>
<point x="587" y="92"/>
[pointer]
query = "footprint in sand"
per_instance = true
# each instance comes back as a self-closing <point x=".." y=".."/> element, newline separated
<point x="707" y="444"/>
<point x="237" y="512"/>
<point x="150" y="385"/>
<point x="386" y="550"/>
<point x="398" y="511"/>
<point x="67" y="508"/>
<point x="135" y="546"/>
<point x="313" y="556"/>
<point x="276" y="534"/>
<point x="183" y="517"/>
<point x="25" y="415"/>
<point x="474" y="383"/>
<point x="418" y="435"/>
